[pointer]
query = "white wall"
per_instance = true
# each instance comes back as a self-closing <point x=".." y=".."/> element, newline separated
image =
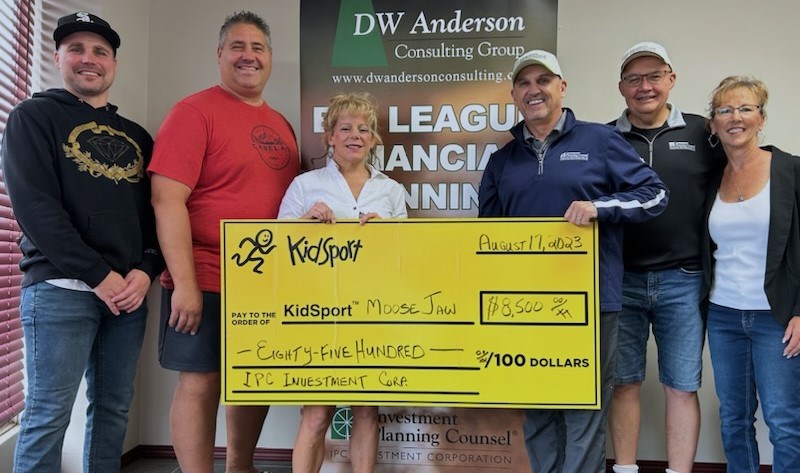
<point x="707" y="40"/>
<point x="168" y="51"/>
<point x="7" y="441"/>
<point x="183" y="41"/>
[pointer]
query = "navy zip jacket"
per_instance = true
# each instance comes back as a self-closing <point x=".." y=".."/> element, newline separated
<point x="587" y="161"/>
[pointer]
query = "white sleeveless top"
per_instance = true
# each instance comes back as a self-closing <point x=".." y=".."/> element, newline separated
<point x="740" y="230"/>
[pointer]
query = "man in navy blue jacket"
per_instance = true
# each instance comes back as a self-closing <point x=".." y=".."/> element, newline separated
<point x="559" y="166"/>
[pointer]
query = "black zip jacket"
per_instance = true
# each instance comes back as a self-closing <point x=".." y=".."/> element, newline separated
<point x="682" y="157"/>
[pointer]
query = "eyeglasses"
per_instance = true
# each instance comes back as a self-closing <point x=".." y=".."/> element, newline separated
<point x="744" y="110"/>
<point x="635" y="80"/>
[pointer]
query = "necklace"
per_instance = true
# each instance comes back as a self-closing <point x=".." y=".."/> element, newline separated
<point x="732" y="172"/>
<point x="740" y="198"/>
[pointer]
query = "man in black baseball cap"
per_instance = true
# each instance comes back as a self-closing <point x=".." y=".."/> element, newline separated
<point x="82" y="21"/>
<point x="75" y="171"/>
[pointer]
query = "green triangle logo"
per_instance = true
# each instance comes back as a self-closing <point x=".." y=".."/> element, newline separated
<point x="357" y="50"/>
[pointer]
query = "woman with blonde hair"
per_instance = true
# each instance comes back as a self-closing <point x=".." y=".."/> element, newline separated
<point x="347" y="187"/>
<point x="752" y="262"/>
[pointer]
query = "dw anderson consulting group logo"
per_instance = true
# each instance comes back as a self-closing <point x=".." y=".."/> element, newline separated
<point x="360" y="29"/>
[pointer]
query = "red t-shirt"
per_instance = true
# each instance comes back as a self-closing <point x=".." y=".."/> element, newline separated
<point x="238" y="159"/>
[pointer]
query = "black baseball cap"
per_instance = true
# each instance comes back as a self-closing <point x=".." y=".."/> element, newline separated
<point x="82" y="21"/>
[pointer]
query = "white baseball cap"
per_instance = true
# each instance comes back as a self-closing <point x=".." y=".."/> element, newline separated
<point x="645" y="48"/>
<point x="537" y="56"/>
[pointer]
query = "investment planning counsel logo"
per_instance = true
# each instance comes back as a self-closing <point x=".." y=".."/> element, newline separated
<point x="342" y="423"/>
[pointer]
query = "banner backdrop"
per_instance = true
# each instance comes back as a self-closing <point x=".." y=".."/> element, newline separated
<point x="439" y="71"/>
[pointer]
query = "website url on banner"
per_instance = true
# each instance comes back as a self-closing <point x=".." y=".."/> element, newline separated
<point x="420" y="78"/>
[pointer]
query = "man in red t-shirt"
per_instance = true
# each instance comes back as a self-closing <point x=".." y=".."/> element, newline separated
<point x="221" y="153"/>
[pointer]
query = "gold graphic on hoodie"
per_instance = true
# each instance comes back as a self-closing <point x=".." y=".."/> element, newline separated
<point x="98" y="153"/>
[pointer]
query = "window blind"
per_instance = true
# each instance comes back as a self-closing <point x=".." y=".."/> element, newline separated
<point x="16" y="56"/>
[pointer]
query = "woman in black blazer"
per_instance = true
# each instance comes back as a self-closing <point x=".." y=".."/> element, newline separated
<point x="752" y="263"/>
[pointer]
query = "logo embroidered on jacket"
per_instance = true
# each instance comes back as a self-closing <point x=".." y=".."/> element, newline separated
<point x="681" y="146"/>
<point x="574" y="156"/>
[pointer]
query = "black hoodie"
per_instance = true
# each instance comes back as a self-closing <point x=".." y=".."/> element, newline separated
<point x="78" y="187"/>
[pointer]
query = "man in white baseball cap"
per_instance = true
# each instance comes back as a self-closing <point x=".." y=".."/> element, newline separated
<point x="645" y="49"/>
<point x="663" y="281"/>
<point x="537" y="57"/>
<point x="558" y="166"/>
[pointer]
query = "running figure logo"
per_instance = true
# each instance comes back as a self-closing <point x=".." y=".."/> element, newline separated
<point x="261" y="244"/>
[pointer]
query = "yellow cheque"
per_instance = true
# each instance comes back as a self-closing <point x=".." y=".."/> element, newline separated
<point x="454" y="312"/>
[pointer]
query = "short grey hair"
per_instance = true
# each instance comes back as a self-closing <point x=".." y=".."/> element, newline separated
<point x="244" y="17"/>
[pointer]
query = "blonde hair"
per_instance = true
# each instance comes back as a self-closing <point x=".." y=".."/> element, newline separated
<point x="731" y="83"/>
<point x="360" y="104"/>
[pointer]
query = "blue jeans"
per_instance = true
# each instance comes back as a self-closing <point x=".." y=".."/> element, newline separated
<point x="68" y="333"/>
<point x="746" y="354"/>
<point x="669" y="300"/>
